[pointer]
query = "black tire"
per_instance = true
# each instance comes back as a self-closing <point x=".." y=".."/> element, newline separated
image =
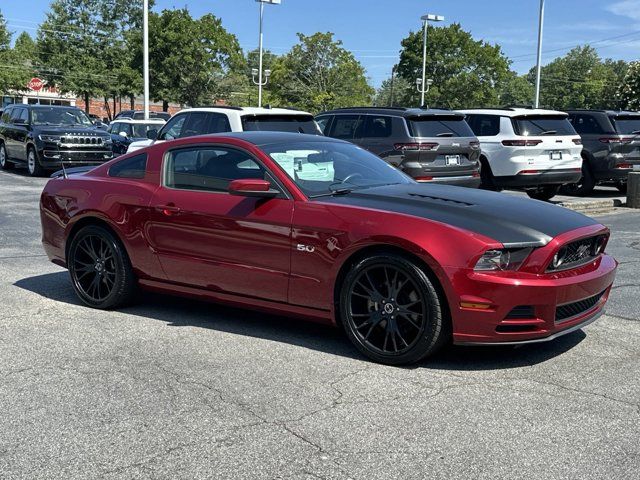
<point x="584" y="187"/>
<point x="544" y="193"/>
<point x="487" y="180"/>
<point x="391" y="310"/>
<point x="5" y="164"/>
<point x="622" y="187"/>
<point x="33" y="163"/>
<point x="100" y="268"/>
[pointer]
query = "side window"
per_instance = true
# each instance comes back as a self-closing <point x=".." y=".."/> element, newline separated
<point x="6" y="116"/>
<point x="134" y="167"/>
<point x="15" y="114"/>
<point x="586" y="124"/>
<point x="218" y="123"/>
<point x="173" y="128"/>
<point x="24" y="115"/>
<point x="377" y="126"/>
<point x="487" y="126"/>
<point x="196" y="124"/>
<point x="323" y="122"/>
<point x="209" y="168"/>
<point x="346" y="127"/>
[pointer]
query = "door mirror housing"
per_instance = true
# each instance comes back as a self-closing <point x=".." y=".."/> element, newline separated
<point x="152" y="134"/>
<point x="252" y="187"/>
<point x="123" y="134"/>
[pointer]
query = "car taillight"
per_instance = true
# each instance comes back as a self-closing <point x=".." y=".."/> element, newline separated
<point x="475" y="174"/>
<point x="577" y="141"/>
<point x="615" y="140"/>
<point x="528" y="172"/>
<point x="416" y="146"/>
<point x="624" y="165"/>
<point x="521" y="143"/>
<point x="423" y="179"/>
<point x="474" y="145"/>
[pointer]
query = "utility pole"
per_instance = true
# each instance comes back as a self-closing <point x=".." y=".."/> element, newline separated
<point x="393" y="77"/>
<point x="423" y="82"/>
<point x="145" y="48"/>
<point x="260" y="82"/>
<point x="539" y="63"/>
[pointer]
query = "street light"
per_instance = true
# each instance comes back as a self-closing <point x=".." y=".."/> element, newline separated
<point x="425" y="19"/>
<point x="145" y="48"/>
<point x="260" y="82"/>
<point x="539" y="66"/>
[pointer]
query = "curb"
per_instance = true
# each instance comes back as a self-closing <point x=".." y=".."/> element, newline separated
<point x="593" y="207"/>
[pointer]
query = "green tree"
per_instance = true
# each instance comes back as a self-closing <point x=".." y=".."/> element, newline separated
<point x="580" y="79"/>
<point x="465" y="72"/>
<point x="400" y="89"/>
<point x="629" y="90"/>
<point x="25" y="48"/>
<point x="319" y="74"/>
<point x="190" y="59"/>
<point x="14" y="72"/>
<point x="516" y="90"/>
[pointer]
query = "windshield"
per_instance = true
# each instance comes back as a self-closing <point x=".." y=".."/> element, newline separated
<point x="323" y="168"/>
<point x="440" y="126"/>
<point x="139" y="130"/>
<point x="626" y="125"/>
<point x="59" y="116"/>
<point x="281" y="123"/>
<point x="543" y="125"/>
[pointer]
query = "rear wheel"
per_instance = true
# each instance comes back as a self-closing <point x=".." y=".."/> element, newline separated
<point x="391" y="310"/>
<point x="5" y="164"/>
<point x="100" y="269"/>
<point x="487" y="180"/>
<point x="544" y="193"/>
<point x="584" y="186"/>
<point x="33" y="163"/>
<point x="622" y="186"/>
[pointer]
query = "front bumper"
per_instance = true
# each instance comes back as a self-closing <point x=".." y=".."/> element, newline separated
<point x="548" y="177"/>
<point x="53" y="158"/>
<point x="507" y="292"/>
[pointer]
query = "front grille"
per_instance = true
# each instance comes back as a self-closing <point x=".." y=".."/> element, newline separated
<point x="81" y="140"/>
<point x="570" y="310"/>
<point x="578" y="253"/>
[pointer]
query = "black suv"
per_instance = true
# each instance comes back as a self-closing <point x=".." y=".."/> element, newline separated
<point x="611" y="141"/>
<point x="43" y="137"/>
<point x="429" y="145"/>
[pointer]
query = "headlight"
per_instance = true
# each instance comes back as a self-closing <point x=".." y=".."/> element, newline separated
<point x="49" y="138"/>
<point x="497" y="260"/>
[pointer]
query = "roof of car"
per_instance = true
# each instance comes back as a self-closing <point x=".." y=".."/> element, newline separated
<point x="614" y="113"/>
<point x="270" y="138"/>
<point x="398" y="111"/>
<point x="512" y="111"/>
<point x="247" y="110"/>
<point x="132" y="121"/>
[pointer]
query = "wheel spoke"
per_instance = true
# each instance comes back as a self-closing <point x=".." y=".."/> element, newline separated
<point x="408" y="319"/>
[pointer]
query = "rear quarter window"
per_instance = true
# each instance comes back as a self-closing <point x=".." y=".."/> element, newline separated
<point x="439" y="126"/>
<point x="133" y="167"/>
<point x="281" y="123"/>
<point x="626" y="125"/>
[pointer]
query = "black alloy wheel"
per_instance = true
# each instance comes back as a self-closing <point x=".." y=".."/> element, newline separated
<point x="5" y="164"/>
<point x="544" y="193"/>
<point x="584" y="186"/>
<point x="391" y="310"/>
<point x="100" y="269"/>
<point x="622" y="186"/>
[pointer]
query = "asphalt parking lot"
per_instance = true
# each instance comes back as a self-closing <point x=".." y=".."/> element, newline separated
<point x="173" y="388"/>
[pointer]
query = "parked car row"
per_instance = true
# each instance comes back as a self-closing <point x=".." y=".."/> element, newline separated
<point x="535" y="150"/>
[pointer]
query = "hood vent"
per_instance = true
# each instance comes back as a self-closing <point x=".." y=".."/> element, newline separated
<point x="441" y="199"/>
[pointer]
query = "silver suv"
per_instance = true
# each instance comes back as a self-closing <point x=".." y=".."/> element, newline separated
<point x="428" y="145"/>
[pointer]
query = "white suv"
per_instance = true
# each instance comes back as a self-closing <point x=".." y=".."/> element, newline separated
<point x="531" y="149"/>
<point x="220" y="119"/>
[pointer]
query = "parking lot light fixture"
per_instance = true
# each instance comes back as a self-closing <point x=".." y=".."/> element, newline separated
<point x="430" y="17"/>
<point x="260" y="82"/>
<point x="539" y="54"/>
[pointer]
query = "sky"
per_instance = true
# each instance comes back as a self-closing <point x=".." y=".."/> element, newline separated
<point x="373" y="29"/>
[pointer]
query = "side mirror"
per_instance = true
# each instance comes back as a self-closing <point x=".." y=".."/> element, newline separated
<point x="252" y="187"/>
<point x="123" y="134"/>
<point x="152" y="134"/>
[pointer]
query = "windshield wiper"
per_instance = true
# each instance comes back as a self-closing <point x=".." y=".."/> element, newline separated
<point x="549" y="132"/>
<point x="445" y="134"/>
<point x="337" y="191"/>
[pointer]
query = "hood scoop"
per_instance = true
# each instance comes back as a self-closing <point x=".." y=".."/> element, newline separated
<point x="440" y="199"/>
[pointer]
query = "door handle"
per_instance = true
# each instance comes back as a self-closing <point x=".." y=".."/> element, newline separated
<point x="168" y="210"/>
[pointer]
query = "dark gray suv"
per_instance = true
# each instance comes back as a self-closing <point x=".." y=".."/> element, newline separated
<point x="428" y="145"/>
<point x="611" y="141"/>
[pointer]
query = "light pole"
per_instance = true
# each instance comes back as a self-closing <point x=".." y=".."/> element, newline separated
<point x="539" y="64"/>
<point x="260" y="82"/>
<point x="145" y="48"/>
<point x="393" y="77"/>
<point x="425" y="20"/>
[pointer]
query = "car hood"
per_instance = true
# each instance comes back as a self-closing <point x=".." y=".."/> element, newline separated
<point x="512" y="221"/>
<point x="133" y="146"/>
<point x="70" y="130"/>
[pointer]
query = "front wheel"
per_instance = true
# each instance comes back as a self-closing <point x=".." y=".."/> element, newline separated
<point x="544" y="193"/>
<point x="100" y="269"/>
<point x="33" y="163"/>
<point x="622" y="186"/>
<point x="5" y="164"/>
<point x="391" y="310"/>
<point x="584" y="186"/>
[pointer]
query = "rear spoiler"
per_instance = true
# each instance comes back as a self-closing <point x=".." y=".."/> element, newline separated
<point x="65" y="172"/>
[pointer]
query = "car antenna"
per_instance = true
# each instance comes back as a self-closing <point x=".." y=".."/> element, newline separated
<point x="64" y="172"/>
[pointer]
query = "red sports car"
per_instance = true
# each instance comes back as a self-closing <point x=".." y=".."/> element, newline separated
<point x="319" y="228"/>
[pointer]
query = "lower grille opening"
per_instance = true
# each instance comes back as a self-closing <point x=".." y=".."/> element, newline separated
<point x="521" y="311"/>
<point x="516" y="328"/>
<point x="571" y="310"/>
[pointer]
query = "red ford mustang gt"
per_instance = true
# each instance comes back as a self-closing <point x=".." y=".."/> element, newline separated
<point x="319" y="228"/>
